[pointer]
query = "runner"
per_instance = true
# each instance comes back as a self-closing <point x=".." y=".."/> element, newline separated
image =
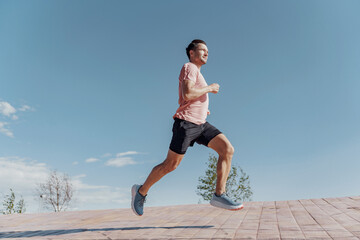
<point x="190" y="126"/>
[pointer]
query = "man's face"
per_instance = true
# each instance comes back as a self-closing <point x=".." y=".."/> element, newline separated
<point x="200" y="54"/>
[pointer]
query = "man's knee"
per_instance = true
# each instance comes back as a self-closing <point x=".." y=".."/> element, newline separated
<point x="170" y="166"/>
<point x="228" y="151"/>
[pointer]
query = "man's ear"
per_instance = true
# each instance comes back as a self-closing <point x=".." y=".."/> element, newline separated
<point x="191" y="52"/>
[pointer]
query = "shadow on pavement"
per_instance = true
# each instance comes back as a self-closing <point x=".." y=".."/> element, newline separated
<point x="17" y="234"/>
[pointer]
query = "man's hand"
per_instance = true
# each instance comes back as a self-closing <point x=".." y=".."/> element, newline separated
<point x="214" y="88"/>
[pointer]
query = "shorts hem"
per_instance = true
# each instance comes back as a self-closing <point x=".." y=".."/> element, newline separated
<point x="178" y="152"/>
<point x="207" y="144"/>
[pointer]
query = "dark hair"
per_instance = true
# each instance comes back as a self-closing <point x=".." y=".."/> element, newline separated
<point x="193" y="45"/>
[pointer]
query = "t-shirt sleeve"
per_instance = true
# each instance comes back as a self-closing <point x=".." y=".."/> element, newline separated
<point x="190" y="72"/>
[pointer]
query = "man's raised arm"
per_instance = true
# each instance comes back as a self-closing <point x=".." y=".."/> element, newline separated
<point x="189" y="91"/>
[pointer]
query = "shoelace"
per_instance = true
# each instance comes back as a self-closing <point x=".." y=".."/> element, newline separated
<point x="142" y="199"/>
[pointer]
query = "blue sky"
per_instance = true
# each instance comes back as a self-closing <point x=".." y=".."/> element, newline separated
<point x="89" y="88"/>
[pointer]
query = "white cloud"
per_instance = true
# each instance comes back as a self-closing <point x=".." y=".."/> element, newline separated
<point x="4" y="130"/>
<point x="120" y="161"/>
<point x="6" y="109"/>
<point x="23" y="175"/>
<point x="25" y="108"/>
<point x="98" y="196"/>
<point x="75" y="163"/>
<point x="91" y="160"/>
<point x="79" y="176"/>
<point x="127" y="153"/>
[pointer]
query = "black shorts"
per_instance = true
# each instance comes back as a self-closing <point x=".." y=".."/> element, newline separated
<point x="186" y="133"/>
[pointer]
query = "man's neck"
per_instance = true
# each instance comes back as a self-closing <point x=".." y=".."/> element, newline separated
<point x="197" y="64"/>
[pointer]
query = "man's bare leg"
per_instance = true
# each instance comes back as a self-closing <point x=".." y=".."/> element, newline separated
<point x="226" y="151"/>
<point x="171" y="162"/>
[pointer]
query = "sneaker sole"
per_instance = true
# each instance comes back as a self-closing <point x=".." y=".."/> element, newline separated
<point x="223" y="206"/>
<point x="133" y="193"/>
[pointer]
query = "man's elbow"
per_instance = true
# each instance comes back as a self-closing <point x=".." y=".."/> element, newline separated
<point x="186" y="96"/>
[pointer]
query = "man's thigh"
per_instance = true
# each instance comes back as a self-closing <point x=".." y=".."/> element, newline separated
<point x="209" y="132"/>
<point x="220" y="144"/>
<point x="184" y="135"/>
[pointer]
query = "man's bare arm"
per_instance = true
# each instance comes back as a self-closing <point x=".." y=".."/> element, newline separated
<point x="189" y="91"/>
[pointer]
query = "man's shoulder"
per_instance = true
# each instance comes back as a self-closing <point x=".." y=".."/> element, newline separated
<point x="189" y="72"/>
<point x="189" y="66"/>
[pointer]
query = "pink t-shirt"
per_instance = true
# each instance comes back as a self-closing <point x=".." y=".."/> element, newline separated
<point x="195" y="110"/>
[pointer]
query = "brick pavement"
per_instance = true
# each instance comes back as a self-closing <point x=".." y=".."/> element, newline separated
<point x="329" y="218"/>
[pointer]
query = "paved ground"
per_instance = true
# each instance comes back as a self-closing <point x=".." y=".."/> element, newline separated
<point x="329" y="218"/>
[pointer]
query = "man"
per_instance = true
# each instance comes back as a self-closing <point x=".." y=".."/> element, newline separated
<point x="190" y="126"/>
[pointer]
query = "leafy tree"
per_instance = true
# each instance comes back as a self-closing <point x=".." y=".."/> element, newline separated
<point x="237" y="185"/>
<point x="20" y="206"/>
<point x="56" y="193"/>
<point x="9" y="204"/>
